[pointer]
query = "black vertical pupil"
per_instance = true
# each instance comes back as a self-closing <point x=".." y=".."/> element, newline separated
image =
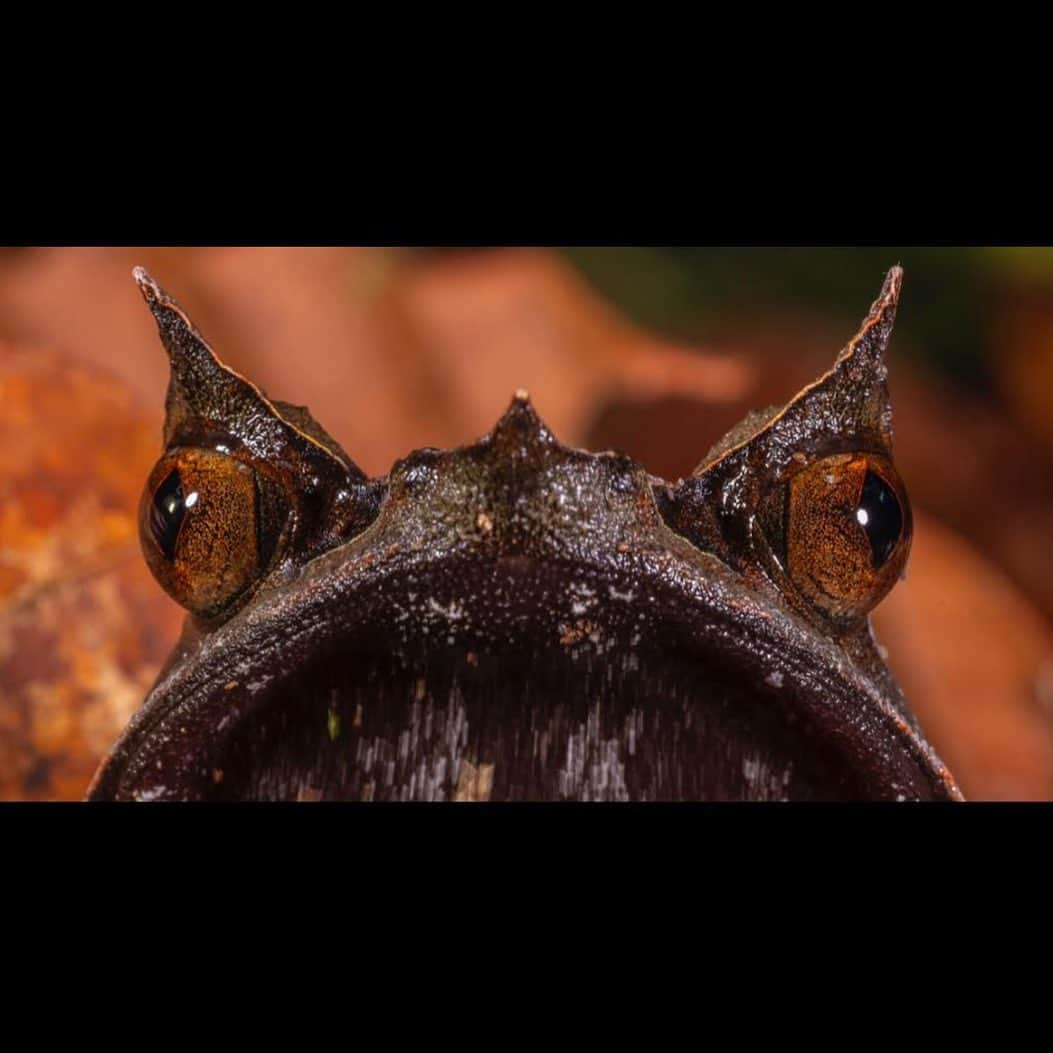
<point x="880" y="515"/>
<point x="166" y="513"/>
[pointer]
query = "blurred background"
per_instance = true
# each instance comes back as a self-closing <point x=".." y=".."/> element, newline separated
<point x="653" y="351"/>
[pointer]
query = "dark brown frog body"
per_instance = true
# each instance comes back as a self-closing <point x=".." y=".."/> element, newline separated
<point x="519" y="620"/>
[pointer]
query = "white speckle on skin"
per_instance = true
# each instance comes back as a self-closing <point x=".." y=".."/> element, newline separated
<point x="583" y="598"/>
<point x="766" y="784"/>
<point x="775" y="679"/>
<point x="151" y="794"/>
<point x="455" y="612"/>
<point x="593" y="770"/>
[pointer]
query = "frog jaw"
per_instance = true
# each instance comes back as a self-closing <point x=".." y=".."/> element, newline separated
<point x="518" y="592"/>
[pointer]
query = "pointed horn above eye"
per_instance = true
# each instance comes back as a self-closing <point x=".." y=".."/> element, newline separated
<point x="874" y="334"/>
<point x="846" y="409"/>
<point x="200" y="387"/>
<point x="854" y="394"/>
<point x="849" y="401"/>
<point x="204" y="394"/>
<point x="207" y="401"/>
<point x="186" y="347"/>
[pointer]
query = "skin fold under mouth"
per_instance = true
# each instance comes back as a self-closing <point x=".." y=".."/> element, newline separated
<point x="599" y="700"/>
<point x="536" y="727"/>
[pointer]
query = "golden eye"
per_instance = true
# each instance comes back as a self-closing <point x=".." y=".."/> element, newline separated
<point x="841" y="529"/>
<point x="205" y="532"/>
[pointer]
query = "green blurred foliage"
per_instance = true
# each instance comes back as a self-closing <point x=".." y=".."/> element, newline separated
<point x="950" y="294"/>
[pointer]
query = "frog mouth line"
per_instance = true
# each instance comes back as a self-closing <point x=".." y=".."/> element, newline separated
<point x="431" y="700"/>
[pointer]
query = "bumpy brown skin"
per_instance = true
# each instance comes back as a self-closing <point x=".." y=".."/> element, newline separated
<point x="519" y="546"/>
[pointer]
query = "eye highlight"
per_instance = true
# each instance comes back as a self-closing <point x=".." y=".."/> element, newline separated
<point x="841" y="530"/>
<point x="166" y="513"/>
<point x="880" y="515"/>
<point x="205" y="532"/>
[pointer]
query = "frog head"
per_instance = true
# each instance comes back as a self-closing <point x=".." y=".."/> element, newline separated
<point x="518" y="620"/>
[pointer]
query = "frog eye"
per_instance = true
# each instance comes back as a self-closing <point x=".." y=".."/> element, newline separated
<point x="209" y="526"/>
<point x="841" y="530"/>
